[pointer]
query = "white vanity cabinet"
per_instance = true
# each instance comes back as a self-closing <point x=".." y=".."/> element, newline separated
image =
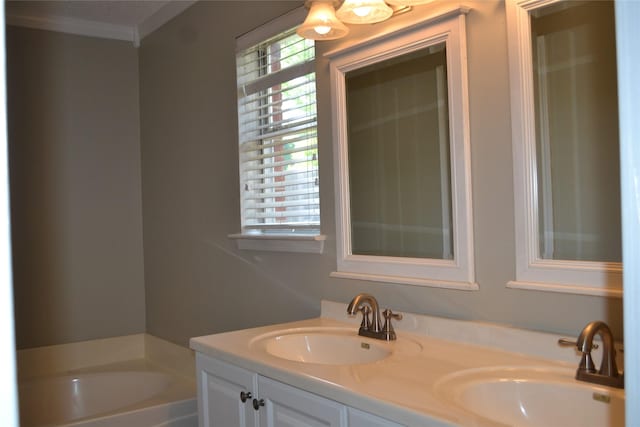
<point x="363" y="419"/>
<point x="268" y="403"/>
<point x="286" y="406"/>
<point x="219" y="389"/>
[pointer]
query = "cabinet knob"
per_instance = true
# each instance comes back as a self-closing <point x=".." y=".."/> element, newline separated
<point x="258" y="403"/>
<point x="245" y="396"/>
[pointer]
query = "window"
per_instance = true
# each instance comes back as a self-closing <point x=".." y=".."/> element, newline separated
<point x="565" y="143"/>
<point x="402" y="156"/>
<point x="278" y="151"/>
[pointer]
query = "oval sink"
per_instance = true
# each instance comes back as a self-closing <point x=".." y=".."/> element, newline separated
<point x="327" y="346"/>
<point x="534" y="397"/>
<point x="325" y="349"/>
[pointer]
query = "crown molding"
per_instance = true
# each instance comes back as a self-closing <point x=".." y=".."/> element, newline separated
<point x="163" y="15"/>
<point x="83" y="27"/>
<point x="75" y="26"/>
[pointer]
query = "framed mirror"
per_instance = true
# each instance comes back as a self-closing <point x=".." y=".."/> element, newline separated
<point x="401" y="147"/>
<point x="565" y="146"/>
<point x="398" y="150"/>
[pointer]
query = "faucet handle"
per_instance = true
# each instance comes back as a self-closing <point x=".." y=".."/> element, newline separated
<point x="586" y="364"/>
<point x="388" y="314"/>
<point x="366" y="322"/>
<point x="586" y="361"/>
<point x="387" y="329"/>
<point x="565" y="342"/>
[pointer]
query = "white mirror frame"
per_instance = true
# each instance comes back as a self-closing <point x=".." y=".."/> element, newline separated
<point x="448" y="28"/>
<point x="532" y="272"/>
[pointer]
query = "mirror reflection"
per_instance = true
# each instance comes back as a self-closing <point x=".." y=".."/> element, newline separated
<point x="399" y="157"/>
<point x="574" y="58"/>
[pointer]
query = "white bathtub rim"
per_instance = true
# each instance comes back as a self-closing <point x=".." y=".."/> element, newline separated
<point x="64" y="358"/>
<point x="179" y="390"/>
<point x="149" y="416"/>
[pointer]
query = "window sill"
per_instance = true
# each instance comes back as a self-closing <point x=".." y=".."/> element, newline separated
<point x="566" y="289"/>
<point x="312" y="244"/>
<point x="403" y="280"/>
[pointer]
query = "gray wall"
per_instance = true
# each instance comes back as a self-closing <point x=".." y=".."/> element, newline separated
<point x="75" y="187"/>
<point x="76" y="181"/>
<point x="197" y="282"/>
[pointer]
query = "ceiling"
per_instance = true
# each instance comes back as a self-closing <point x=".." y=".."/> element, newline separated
<point x="129" y="20"/>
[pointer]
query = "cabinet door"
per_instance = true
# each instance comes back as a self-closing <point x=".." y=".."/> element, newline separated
<point x="219" y="388"/>
<point x="286" y="406"/>
<point x="363" y="419"/>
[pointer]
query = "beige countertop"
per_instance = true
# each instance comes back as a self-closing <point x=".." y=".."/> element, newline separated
<point x="402" y="387"/>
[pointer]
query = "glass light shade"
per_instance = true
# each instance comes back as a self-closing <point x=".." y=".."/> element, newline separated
<point x="321" y="22"/>
<point x="364" y="11"/>
<point x="407" y="2"/>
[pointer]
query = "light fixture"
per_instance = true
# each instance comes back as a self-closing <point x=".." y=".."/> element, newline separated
<point x="407" y="2"/>
<point x="321" y="22"/>
<point x="324" y="23"/>
<point x="364" y="11"/>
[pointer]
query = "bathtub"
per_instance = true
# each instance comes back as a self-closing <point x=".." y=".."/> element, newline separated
<point x="144" y="397"/>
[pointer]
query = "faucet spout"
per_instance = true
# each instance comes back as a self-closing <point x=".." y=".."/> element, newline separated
<point x="608" y="373"/>
<point x="356" y="305"/>
<point x="373" y="329"/>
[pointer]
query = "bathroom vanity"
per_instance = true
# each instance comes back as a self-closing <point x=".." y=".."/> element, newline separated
<point x="228" y="400"/>
<point x="438" y="373"/>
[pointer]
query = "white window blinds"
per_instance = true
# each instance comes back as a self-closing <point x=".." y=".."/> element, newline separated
<point x="277" y="136"/>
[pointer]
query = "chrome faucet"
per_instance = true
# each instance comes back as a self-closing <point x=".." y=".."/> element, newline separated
<point x="372" y="328"/>
<point x="608" y="373"/>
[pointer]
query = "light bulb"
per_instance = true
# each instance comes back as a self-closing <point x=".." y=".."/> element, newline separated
<point x="321" y="22"/>
<point x="322" y="29"/>
<point x="407" y="2"/>
<point x="362" y="11"/>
